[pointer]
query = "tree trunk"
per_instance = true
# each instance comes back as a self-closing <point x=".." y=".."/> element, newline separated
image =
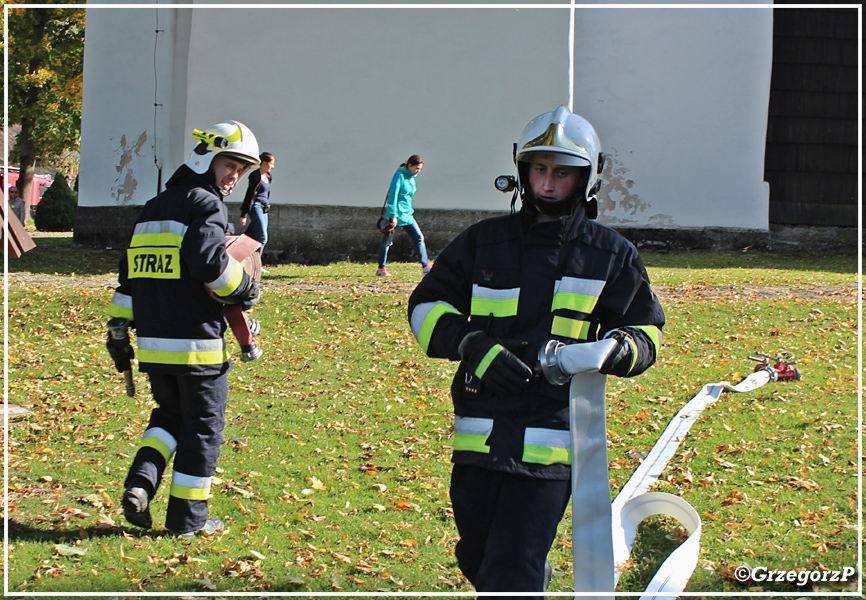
<point x="25" y="143"/>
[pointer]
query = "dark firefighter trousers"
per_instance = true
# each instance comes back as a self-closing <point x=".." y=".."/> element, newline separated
<point x="191" y="408"/>
<point x="507" y="525"/>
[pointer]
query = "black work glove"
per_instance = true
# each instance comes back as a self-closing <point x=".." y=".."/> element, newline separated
<point x="252" y="295"/>
<point x="247" y="293"/>
<point x="619" y="362"/>
<point x="121" y="353"/>
<point x="497" y="367"/>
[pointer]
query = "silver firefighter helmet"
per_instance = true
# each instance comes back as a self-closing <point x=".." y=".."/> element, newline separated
<point x="572" y="141"/>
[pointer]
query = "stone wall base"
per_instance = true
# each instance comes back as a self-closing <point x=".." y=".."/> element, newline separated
<point x="323" y="234"/>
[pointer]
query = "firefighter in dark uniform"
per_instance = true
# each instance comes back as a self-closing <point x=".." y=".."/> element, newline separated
<point x="497" y="294"/>
<point x="176" y="259"/>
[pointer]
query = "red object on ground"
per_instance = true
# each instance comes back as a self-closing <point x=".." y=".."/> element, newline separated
<point x="781" y="370"/>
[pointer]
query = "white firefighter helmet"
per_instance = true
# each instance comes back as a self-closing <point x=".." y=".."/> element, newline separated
<point x="229" y="137"/>
<point x="569" y="138"/>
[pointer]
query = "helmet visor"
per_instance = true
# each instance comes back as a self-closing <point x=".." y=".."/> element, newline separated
<point x="555" y="154"/>
<point x="246" y="160"/>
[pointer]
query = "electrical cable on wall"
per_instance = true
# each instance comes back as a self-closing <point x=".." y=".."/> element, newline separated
<point x="571" y="57"/>
<point x="156" y="104"/>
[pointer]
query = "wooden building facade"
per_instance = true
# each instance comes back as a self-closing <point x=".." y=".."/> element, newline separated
<point x="812" y="155"/>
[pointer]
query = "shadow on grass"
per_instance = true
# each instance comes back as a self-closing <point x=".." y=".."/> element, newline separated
<point x="24" y="532"/>
<point x="60" y="256"/>
<point x="85" y="584"/>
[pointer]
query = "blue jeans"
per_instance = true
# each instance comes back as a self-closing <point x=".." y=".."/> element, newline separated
<point x="417" y="237"/>
<point x="258" y="227"/>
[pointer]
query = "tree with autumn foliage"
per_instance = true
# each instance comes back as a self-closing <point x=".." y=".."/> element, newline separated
<point x="46" y="72"/>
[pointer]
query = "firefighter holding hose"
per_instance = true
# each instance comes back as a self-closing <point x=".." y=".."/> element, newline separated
<point x="177" y="257"/>
<point x="497" y="294"/>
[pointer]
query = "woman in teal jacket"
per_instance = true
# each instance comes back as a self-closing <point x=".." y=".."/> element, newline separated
<point x="399" y="210"/>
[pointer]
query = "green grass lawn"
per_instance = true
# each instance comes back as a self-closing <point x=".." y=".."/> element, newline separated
<point x="335" y="468"/>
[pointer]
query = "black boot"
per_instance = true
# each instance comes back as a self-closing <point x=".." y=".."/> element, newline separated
<point x="136" y="503"/>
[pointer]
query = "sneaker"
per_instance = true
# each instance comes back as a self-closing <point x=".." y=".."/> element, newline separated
<point x="254" y="326"/>
<point x="383" y="272"/>
<point x="251" y="352"/>
<point x="264" y="270"/>
<point x="136" y="507"/>
<point x="211" y="526"/>
<point x="427" y="268"/>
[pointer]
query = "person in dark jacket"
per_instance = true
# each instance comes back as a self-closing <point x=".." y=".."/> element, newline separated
<point x="257" y="200"/>
<point x="497" y="293"/>
<point x="176" y="259"/>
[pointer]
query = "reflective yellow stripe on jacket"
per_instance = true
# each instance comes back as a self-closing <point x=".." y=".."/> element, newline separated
<point x="229" y="280"/>
<point x="546" y="446"/>
<point x="154" y="251"/>
<point x="168" y="351"/>
<point x="424" y="318"/>
<point x="158" y="233"/>
<point x="655" y="336"/>
<point x="471" y="433"/>
<point x="121" y="306"/>
<point x="540" y="446"/>
<point x="577" y="294"/>
<point x="570" y="295"/>
<point x="499" y="303"/>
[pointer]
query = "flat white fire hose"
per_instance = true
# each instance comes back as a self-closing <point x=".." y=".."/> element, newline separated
<point x="603" y="533"/>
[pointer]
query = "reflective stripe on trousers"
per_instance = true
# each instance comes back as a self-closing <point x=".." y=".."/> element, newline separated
<point x="190" y="410"/>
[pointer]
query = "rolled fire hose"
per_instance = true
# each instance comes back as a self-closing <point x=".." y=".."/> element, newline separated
<point x="603" y="533"/>
<point x="246" y="251"/>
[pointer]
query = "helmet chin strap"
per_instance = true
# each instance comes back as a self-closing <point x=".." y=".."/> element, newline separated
<point x="562" y="208"/>
<point x="210" y="177"/>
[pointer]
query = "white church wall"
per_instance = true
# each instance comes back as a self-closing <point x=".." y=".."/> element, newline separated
<point x="343" y="95"/>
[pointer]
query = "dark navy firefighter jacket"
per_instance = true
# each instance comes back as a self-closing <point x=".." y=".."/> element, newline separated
<point x="572" y="280"/>
<point x="177" y="253"/>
